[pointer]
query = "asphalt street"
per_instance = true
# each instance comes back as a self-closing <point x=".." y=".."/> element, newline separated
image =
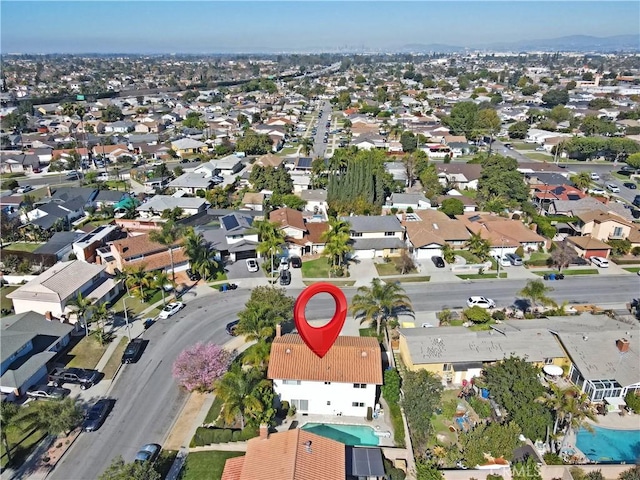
<point x="148" y="400"/>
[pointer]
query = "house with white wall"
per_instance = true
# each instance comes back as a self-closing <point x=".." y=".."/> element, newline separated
<point x="343" y="382"/>
<point x="376" y="235"/>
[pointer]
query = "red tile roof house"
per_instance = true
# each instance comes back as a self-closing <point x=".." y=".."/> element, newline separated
<point x="429" y="230"/>
<point x="302" y="238"/>
<point x="132" y="252"/>
<point x="343" y="382"/>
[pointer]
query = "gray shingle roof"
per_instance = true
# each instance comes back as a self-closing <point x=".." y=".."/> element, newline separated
<point x="377" y="243"/>
<point x="59" y="241"/>
<point x="378" y="223"/>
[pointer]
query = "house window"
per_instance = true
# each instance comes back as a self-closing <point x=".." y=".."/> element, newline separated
<point x="389" y="234"/>
<point x="359" y="385"/>
<point x="136" y="258"/>
<point x="291" y="382"/>
<point x="617" y="232"/>
<point x="300" y="404"/>
<point x="357" y="404"/>
<point x="447" y="367"/>
<point x="356" y="234"/>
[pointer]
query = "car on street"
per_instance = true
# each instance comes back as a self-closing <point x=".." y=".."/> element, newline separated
<point x="427" y="325"/>
<point x="482" y="302"/>
<point x="171" y="309"/>
<point x="193" y="276"/>
<point x="296" y="262"/>
<point x="540" y="149"/>
<point x="630" y="185"/>
<point x="285" y="277"/>
<point x="252" y="265"/>
<point x="47" y="392"/>
<point x="594" y="176"/>
<point x="600" y="262"/>
<point x="24" y="189"/>
<point x="231" y="327"/>
<point x="133" y="351"/>
<point x="613" y="188"/>
<point x="148" y="453"/>
<point x="514" y="259"/>
<point x="636" y="201"/>
<point x="438" y="261"/>
<point x="97" y="414"/>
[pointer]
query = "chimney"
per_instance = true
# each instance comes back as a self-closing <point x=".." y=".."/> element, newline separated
<point x="623" y="345"/>
<point x="307" y="446"/>
<point x="264" y="432"/>
<point x="278" y="330"/>
<point x="48" y="316"/>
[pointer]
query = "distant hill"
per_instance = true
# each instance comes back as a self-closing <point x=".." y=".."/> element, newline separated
<point x="430" y="48"/>
<point x="576" y="43"/>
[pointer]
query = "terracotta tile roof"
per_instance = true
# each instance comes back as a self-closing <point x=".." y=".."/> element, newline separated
<point x="288" y="217"/>
<point x="159" y="260"/>
<point x="315" y="231"/>
<point x="350" y="360"/>
<point x="286" y="456"/>
<point x="494" y="228"/>
<point x="435" y="228"/>
<point x="138" y="245"/>
<point x="233" y="468"/>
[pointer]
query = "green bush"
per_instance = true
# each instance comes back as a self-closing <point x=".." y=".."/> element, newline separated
<point x="481" y="407"/>
<point x="520" y="251"/>
<point x="391" y="386"/>
<point x="226" y="435"/>
<point x="398" y="424"/>
<point x="633" y="401"/>
<point x="477" y="315"/>
<point x="498" y="315"/>
<point x="552" y="459"/>
<point x="207" y="436"/>
<point x="236" y="436"/>
<point x="248" y="433"/>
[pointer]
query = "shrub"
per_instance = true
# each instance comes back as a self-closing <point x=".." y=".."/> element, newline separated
<point x="553" y="459"/>
<point x="498" y="315"/>
<point x="635" y="251"/>
<point x="391" y="386"/>
<point x="477" y="315"/>
<point x="236" y="436"/>
<point x="633" y="401"/>
<point x="248" y="433"/>
<point x="520" y="251"/>
<point x="481" y="407"/>
<point x="225" y="436"/>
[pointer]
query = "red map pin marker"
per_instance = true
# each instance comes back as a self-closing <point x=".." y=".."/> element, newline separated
<point x="320" y="339"/>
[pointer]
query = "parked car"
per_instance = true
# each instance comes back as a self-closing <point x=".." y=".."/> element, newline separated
<point x="24" y="189"/>
<point x="514" y="259"/>
<point x="85" y="378"/>
<point x="503" y="261"/>
<point x="252" y="265"/>
<point x="630" y="185"/>
<point x="231" y="327"/>
<point x="171" y="309"/>
<point x="438" y="261"/>
<point x="193" y="276"/>
<point x="596" y="191"/>
<point x="284" y="263"/>
<point x="48" y="392"/>
<point x="296" y="262"/>
<point x="97" y="414"/>
<point x="594" y="176"/>
<point x="481" y="302"/>
<point x="600" y="262"/>
<point x="613" y="188"/>
<point x="148" y="453"/>
<point x="133" y="350"/>
<point x="427" y="325"/>
<point x="636" y="201"/>
<point x="285" y="277"/>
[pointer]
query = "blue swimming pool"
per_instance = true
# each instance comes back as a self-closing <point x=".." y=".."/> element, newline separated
<point x="353" y="435"/>
<point x="606" y="445"/>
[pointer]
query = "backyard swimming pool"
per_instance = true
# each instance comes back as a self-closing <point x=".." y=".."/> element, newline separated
<point x="352" y="435"/>
<point x="607" y="445"/>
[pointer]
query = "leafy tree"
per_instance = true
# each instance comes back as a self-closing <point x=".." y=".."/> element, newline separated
<point x="560" y="113"/>
<point x="288" y="200"/>
<point x="168" y="236"/>
<point x="427" y="471"/>
<point x="514" y="385"/>
<point x="562" y="255"/>
<point x="112" y="113"/>
<point x="488" y="123"/>
<point x="477" y="315"/>
<point x="452" y="207"/>
<point x="60" y="416"/>
<point x="634" y="160"/>
<point x="422" y="393"/>
<point x="253" y="143"/>
<point x="619" y="247"/>
<point x="633" y="401"/>
<point x="380" y="303"/>
<point x="277" y="180"/>
<point x="198" y="366"/>
<point x="391" y="386"/>
<point x="501" y="179"/>
<point x="194" y="120"/>
<point x="462" y="120"/>
<point x="496" y="440"/>
<point x="428" y="176"/>
<point x="555" y="97"/>
<point x="267" y="307"/>
<point x="479" y="246"/>
<point x="118" y="470"/>
<point x="448" y="253"/>
<point x="408" y="141"/>
<point x="405" y="262"/>
<point x="632" y="474"/>
<point x="536" y="292"/>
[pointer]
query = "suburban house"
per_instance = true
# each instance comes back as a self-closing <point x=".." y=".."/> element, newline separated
<point x="403" y="201"/>
<point x="229" y="165"/>
<point x="159" y="203"/>
<point x="343" y="382"/>
<point x="456" y="354"/>
<point x="376" y="235"/>
<point x="108" y="198"/>
<point x="254" y="201"/>
<point x="55" y="213"/>
<point x="602" y="226"/>
<point x="29" y="341"/>
<point x="544" y="195"/>
<point x="299" y="454"/>
<point x="504" y="234"/>
<point x="112" y="152"/>
<point x="188" y="146"/>
<point x="301" y="237"/>
<point x="269" y="160"/>
<point x="55" y="287"/>
<point x="429" y="230"/>
<point x="459" y="175"/>
<point x="586" y="246"/>
<point x="86" y="246"/>
<point x="59" y="245"/>
<point x="316" y="205"/>
<point x="573" y="208"/>
<point x="18" y="163"/>
<point x="236" y="238"/>
<point x="133" y="252"/>
<point x="191" y="182"/>
<point x="398" y="171"/>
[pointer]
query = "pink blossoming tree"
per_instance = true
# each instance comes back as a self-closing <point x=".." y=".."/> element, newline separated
<point x="197" y="367"/>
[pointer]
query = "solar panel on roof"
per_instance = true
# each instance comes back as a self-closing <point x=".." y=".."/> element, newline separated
<point x="573" y="196"/>
<point x="304" y="162"/>
<point x="475" y="218"/>
<point x="230" y="222"/>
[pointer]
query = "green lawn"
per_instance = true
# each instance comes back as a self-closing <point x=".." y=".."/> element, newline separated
<point x="22" y="247"/>
<point x="86" y="353"/>
<point x="337" y="283"/>
<point x="523" y="146"/>
<point x="469" y="193"/>
<point x="385" y="269"/>
<point x="98" y="223"/>
<point x="539" y="156"/>
<point x="206" y="465"/>
<point x="632" y="269"/>
<point x="440" y="423"/>
<point x="536" y="256"/>
<point x="423" y="278"/>
<point x="214" y="411"/>
<point x="135" y="306"/>
<point x="586" y="271"/>
<point x="115" y="360"/>
<point x="318" y="268"/>
<point x="477" y="276"/>
<point x="468" y="256"/>
<point x="5" y="302"/>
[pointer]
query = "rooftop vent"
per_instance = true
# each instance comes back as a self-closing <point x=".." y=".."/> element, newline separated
<point x="307" y="446"/>
<point x="623" y="345"/>
<point x="363" y="354"/>
<point x="287" y="351"/>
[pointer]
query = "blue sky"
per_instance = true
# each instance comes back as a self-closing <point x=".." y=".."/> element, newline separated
<point x="210" y="27"/>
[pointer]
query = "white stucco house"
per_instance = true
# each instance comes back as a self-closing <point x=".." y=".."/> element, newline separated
<point x="376" y="235"/>
<point x="343" y="382"/>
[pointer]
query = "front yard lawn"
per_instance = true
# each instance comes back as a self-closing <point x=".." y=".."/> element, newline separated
<point x="468" y="256"/>
<point x="539" y="156"/>
<point x="424" y="278"/>
<point x="337" y="283"/>
<point x="86" y="353"/>
<point x="318" y="268"/>
<point x="385" y="269"/>
<point x="632" y="269"/>
<point x="567" y="273"/>
<point x="135" y="306"/>
<point x="214" y="411"/>
<point x="115" y="360"/>
<point x="6" y="303"/>
<point x="208" y="465"/>
<point x="21" y="247"/>
<point x="477" y="276"/>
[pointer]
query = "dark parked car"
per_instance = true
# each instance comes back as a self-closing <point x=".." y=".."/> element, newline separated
<point x="97" y="414"/>
<point x="133" y="351"/>
<point x="438" y="261"/>
<point x="193" y="276"/>
<point x="85" y="378"/>
<point x="231" y="327"/>
<point x="148" y="453"/>
<point x="296" y="262"/>
<point x="630" y="185"/>
<point x="636" y="201"/>
<point x="285" y="277"/>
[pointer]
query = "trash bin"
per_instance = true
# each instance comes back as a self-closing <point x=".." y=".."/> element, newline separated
<point x="224" y="287"/>
<point x="552" y="276"/>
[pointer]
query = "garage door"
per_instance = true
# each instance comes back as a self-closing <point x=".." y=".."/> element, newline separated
<point x="426" y="253"/>
<point x="246" y="254"/>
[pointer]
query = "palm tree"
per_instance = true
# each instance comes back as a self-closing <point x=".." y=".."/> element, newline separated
<point x="123" y="276"/>
<point x="160" y="279"/>
<point x="168" y="236"/>
<point x="256" y="323"/>
<point x="137" y="278"/>
<point x="81" y="305"/>
<point x="271" y="238"/>
<point x="555" y="400"/>
<point x="337" y="241"/>
<point x="307" y="145"/>
<point x="100" y="313"/>
<point x="239" y="392"/>
<point x="582" y="180"/>
<point x="199" y="253"/>
<point x="479" y="246"/>
<point x="448" y="253"/>
<point x="536" y="291"/>
<point x="257" y="355"/>
<point x="380" y="302"/>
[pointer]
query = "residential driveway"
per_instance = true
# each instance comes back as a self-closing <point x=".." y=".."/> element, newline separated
<point x="237" y="272"/>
